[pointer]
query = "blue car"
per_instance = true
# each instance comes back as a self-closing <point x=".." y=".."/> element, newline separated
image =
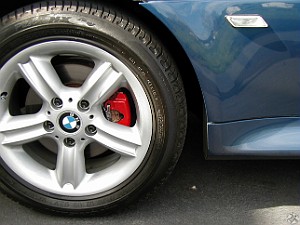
<point x="94" y="95"/>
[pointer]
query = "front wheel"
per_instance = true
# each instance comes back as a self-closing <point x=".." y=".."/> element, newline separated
<point x="92" y="109"/>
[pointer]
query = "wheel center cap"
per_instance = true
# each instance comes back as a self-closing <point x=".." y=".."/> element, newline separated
<point x="70" y="122"/>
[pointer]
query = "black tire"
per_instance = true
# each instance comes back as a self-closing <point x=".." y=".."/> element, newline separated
<point x="105" y="27"/>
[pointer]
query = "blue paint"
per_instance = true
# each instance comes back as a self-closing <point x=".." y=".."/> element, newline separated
<point x="265" y="137"/>
<point x="246" y="74"/>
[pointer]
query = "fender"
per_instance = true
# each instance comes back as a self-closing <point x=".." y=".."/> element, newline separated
<point x="243" y="71"/>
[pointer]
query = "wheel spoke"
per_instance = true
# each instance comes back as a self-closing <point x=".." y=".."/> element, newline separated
<point x="42" y="77"/>
<point x="118" y="138"/>
<point x="102" y="83"/>
<point x="23" y="129"/>
<point x="70" y="167"/>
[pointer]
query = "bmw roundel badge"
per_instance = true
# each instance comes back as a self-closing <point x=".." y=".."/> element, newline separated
<point x="69" y="122"/>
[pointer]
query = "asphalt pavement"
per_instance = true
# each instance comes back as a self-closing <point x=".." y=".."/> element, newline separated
<point x="256" y="192"/>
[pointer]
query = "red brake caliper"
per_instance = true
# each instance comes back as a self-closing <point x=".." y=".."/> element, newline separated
<point x="117" y="109"/>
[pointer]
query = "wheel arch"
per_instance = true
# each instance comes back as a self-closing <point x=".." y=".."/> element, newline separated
<point x="195" y="99"/>
<point x="194" y="95"/>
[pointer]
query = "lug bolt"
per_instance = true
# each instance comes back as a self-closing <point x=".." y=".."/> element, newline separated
<point x="57" y="103"/>
<point x="3" y="96"/>
<point x="84" y="104"/>
<point x="49" y="126"/>
<point x="91" y="130"/>
<point x="69" y="142"/>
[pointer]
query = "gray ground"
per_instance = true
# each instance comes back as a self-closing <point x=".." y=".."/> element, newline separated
<point x="199" y="192"/>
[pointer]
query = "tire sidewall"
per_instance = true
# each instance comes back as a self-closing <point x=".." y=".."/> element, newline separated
<point x="133" y="53"/>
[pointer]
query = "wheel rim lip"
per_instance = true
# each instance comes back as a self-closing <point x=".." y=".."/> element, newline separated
<point x="104" y="180"/>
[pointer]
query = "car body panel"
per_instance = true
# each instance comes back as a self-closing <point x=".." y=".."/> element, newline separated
<point x="249" y="77"/>
<point x="276" y="137"/>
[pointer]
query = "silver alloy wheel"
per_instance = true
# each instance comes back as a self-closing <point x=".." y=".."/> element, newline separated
<point x="59" y="103"/>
